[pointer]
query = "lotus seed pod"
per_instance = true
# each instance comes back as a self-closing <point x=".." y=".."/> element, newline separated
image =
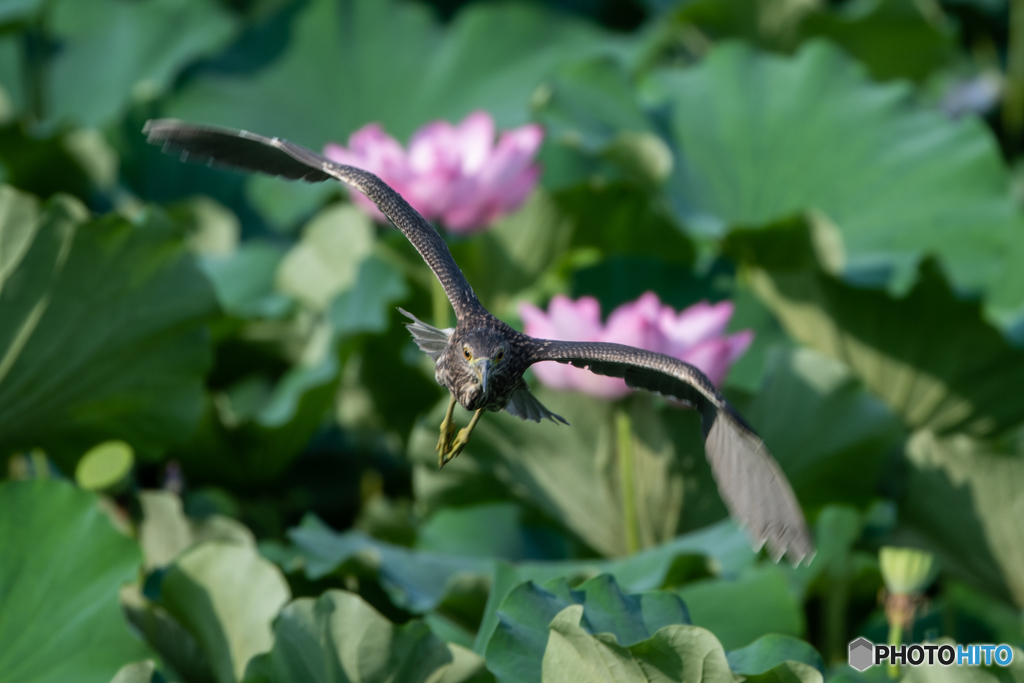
<point x="907" y="571"/>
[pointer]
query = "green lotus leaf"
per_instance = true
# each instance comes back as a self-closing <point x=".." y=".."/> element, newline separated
<point x="365" y="306"/>
<point x="104" y="332"/>
<point x="226" y="595"/>
<point x="739" y="609"/>
<point x="495" y="530"/>
<point x="590" y="110"/>
<point x="892" y="38"/>
<point x="788" y="672"/>
<point x="966" y="383"/>
<point x="961" y="503"/>
<point x="19" y="10"/>
<point x="29" y="159"/>
<point x="677" y="653"/>
<point x="516" y="648"/>
<point x="416" y="581"/>
<point x="285" y="203"/>
<point x="999" y="618"/>
<point x="762" y="138"/>
<point x="253" y="429"/>
<point x="139" y="672"/>
<point x="770" y="651"/>
<point x="588" y="103"/>
<point x="836" y="529"/>
<point x="213" y="229"/>
<point x="63" y="565"/>
<point x="391" y="63"/>
<point x="420" y="581"/>
<point x="325" y="261"/>
<point x="178" y="649"/>
<point x="829" y="434"/>
<point x="142" y="48"/>
<point x="165" y="532"/>
<point x="340" y="638"/>
<point x="244" y="281"/>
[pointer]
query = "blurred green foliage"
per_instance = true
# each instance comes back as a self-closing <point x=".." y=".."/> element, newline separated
<point x="834" y="168"/>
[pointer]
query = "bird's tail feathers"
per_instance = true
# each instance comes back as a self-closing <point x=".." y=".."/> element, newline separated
<point x="525" y="406"/>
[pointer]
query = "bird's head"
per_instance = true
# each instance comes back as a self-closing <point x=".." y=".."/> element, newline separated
<point x="484" y="356"/>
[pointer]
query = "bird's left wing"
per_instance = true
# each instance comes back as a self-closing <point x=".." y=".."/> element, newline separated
<point x="274" y="156"/>
<point x="751" y="482"/>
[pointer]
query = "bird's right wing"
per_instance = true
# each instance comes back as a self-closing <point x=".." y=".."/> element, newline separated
<point x="244" y="150"/>
<point x="749" y="479"/>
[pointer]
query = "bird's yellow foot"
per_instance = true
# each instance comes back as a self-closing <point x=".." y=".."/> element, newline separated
<point x="461" y="440"/>
<point x="457" y="445"/>
<point x="444" y="444"/>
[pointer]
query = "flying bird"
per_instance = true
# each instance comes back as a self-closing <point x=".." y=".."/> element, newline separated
<point x="481" y="360"/>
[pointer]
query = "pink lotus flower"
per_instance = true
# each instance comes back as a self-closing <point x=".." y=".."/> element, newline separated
<point x="452" y="173"/>
<point x="694" y="335"/>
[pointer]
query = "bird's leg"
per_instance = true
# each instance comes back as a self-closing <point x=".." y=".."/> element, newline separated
<point x="463" y="438"/>
<point x="447" y="433"/>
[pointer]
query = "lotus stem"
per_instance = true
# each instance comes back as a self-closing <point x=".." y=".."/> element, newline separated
<point x="34" y="70"/>
<point x="834" y="608"/>
<point x="1013" y="98"/>
<point x="440" y="303"/>
<point x="895" y="640"/>
<point x="624" y="432"/>
<point x="899" y="610"/>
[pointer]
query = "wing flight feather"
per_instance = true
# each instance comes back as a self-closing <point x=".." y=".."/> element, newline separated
<point x="749" y="479"/>
<point x="241" y="149"/>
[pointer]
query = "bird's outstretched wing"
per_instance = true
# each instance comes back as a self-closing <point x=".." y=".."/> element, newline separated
<point x="749" y="479"/>
<point x="244" y="150"/>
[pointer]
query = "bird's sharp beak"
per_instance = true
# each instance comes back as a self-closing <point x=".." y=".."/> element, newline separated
<point x="482" y="367"/>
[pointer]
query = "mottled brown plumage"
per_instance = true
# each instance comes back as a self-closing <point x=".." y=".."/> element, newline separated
<point x="482" y="360"/>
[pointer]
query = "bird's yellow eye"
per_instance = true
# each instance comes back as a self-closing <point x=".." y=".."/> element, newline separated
<point x="501" y="354"/>
<point x="466" y="353"/>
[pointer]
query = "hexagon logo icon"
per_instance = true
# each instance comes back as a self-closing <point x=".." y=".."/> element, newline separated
<point x="862" y="653"/>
